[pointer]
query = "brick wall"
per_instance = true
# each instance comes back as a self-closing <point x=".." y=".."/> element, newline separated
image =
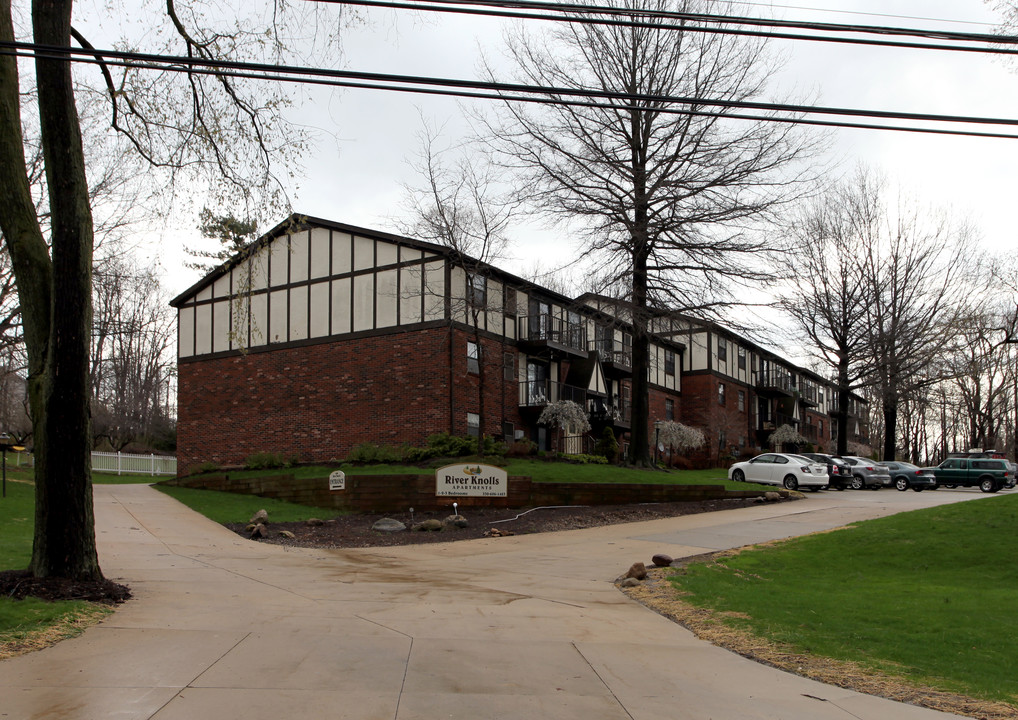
<point x="317" y="402"/>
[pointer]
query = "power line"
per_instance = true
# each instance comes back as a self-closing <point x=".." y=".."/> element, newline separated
<point x="710" y="24"/>
<point x="511" y="92"/>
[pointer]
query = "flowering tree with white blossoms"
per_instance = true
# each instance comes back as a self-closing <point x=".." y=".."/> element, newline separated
<point x="786" y="435"/>
<point x="563" y="414"/>
<point x="678" y="437"/>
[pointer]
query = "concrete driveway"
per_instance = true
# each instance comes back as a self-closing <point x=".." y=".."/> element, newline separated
<point x="514" y="628"/>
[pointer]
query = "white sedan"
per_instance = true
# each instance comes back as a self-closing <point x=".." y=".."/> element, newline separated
<point x="789" y="471"/>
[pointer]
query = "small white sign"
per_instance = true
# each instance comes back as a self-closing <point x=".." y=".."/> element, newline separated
<point x="337" y="480"/>
<point x="471" y="480"/>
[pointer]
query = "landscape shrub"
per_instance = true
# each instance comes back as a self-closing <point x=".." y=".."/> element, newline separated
<point x="522" y="448"/>
<point x="267" y="460"/>
<point x="607" y="447"/>
<point x="584" y="459"/>
<point x="370" y="453"/>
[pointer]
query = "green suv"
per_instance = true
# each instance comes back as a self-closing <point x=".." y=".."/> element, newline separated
<point x="988" y="474"/>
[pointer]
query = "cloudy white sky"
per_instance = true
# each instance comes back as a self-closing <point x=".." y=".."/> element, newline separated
<point x="366" y="137"/>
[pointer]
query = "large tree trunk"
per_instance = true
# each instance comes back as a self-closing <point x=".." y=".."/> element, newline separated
<point x="64" y="524"/>
<point x="841" y="416"/>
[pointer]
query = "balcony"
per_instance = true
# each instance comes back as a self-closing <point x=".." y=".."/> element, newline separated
<point x="614" y="411"/>
<point x="616" y="357"/>
<point x="775" y="383"/>
<point x="538" y="333"/>
<point x="810" y="397"/>
<point x="538" y="393"/>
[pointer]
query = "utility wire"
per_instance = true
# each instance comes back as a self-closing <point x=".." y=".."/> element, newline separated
<point x="508" y="92"/>
<point x="710" y="24"/>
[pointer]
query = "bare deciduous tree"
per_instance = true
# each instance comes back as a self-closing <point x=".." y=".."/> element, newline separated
<point x="663" y="199"/>
<point x="186" y="124"/>
<point x="826" y="298"/>
<point x="460" y="205"/>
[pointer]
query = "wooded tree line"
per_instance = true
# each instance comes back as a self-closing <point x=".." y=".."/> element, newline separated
<point x="895" y="301"/>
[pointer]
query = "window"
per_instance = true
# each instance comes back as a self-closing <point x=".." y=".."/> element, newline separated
<point x="477" y="290"/>
<point x="669" y="362"/>
<point x="722" y="351"/>
<point x="820" y="428"/>
<point x="473" y="424"/>
<point x="742" y="358"/>
<point x="721" y="393"/>
<point x="509" y="366"/>
<point x="742" y="401"/>
<point x="473" y="358"/>
<point x="669" y="409"/>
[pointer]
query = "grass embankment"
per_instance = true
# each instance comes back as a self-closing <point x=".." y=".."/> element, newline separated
<point x="928" y="596"/>
<point x="30" y="624"/>
<point x="538" y="470"/>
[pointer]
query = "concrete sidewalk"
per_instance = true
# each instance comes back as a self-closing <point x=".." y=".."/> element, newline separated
<point x="517" y="627"/>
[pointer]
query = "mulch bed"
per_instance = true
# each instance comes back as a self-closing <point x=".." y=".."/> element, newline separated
<point x="19" y="584"/>
<point x="354" y="531"/>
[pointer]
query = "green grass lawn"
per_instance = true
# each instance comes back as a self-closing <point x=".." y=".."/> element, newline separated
<point x="224" y="507"/>
<point x="24" y="621"/>
<point x="928" y="595"/>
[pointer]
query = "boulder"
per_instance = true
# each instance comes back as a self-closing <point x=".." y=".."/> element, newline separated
<point x="260" y="518"/>
<point x="430" y="525"/>
<point x="662" y="560"/>
<point x="388" y="525"/>
<point x="772" y="496"/>
<point x="638" y="571"/>
<point x="456" y="521"/>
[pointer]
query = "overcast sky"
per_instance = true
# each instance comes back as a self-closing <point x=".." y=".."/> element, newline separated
<point x="356" y="172"/>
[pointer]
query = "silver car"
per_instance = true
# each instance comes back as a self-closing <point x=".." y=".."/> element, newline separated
<point x="867" y="473"/>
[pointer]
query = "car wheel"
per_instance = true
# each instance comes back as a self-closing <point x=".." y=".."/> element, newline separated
<point x="790" y="483"/>
<point x="948" y="485"/>
<point x="857" y="483"/>
<point x="902" y="484"/>
<point x="988" y="485"/>
<point x="739" y="476"/>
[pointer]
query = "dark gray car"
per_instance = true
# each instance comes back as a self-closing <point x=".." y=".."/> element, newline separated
<point x="905" y="476"/>
<point x="867" y="473"/>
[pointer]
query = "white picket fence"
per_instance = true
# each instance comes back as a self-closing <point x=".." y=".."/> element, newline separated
<point x="121" y="463"/>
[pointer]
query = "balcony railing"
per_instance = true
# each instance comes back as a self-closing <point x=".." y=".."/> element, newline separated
<point x="615" y="410"/>
<point x="613" y="353"/>
<point x="537" y="393"/>
<point x="550" y="331"/>
<point x="779" y="381"/>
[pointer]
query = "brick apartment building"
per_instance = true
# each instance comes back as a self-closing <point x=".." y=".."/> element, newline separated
<point x="322" y="336"/>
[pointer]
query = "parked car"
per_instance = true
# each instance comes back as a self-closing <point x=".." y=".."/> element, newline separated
<point x="905" y="476"/>
<point x="839" y="472"/>
<point x="785" y="469"/>
<point x="867" y="473"/>
<point x="988" y="474"/>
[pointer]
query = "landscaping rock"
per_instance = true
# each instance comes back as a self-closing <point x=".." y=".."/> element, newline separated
<point x="260" y="531"/>
<point x="772" y="496"/>
<point x="287" y="534"/>
<point x="629" y="582"/>
<point x="431" y="525"/>
<point x="260" y="518"/>
<point x="638" y="571"/>
<point x="388" y="525"/>
<point x="457" y="521"/>
<point x="662" y="560"/>
<point x="314" y="522"/>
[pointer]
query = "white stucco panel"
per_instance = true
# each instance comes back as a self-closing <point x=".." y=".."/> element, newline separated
<point x="185" y="332"/>
<point x="203" y="330"/>
<point x="320" y="251"/>
<point x="363" y="302"/>
<point x="341" y="306"/>
<point x="386" y="292"/>
<point x="299" y="256"/>
<point x="221" y="326"/>
<point x="279" y="262"/>
<point x="299" y="313"/>
<point x="410" y="294"/>
<point x="320" y="308"/>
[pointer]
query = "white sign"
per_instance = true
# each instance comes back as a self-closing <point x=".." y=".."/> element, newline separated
<point x="337" y="480"/>
<point x="471" y="480"/>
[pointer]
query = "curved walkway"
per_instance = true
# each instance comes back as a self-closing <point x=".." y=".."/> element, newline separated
<point x="514" y="628"/>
